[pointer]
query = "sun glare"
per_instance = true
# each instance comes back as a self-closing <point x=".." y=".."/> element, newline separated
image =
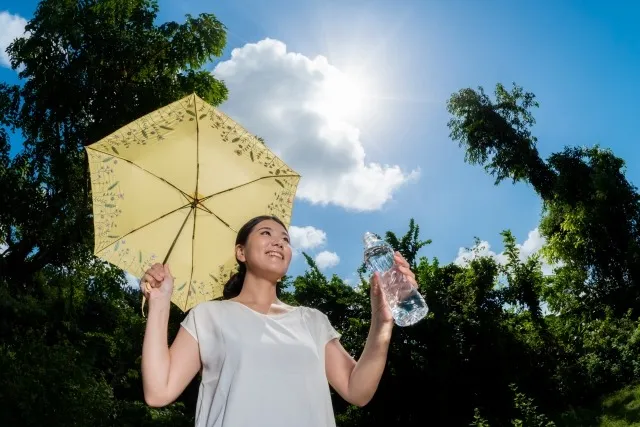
<point x="342" y="95"/>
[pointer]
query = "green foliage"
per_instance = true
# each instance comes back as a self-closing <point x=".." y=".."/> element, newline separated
<point x="529" y="415"/>
<point x="593" y="225"/>
<point x="408" y="245"/>
<point x="497" y="134"/>
<point x="478" y="420"/>
<point x="591" y="216"/>
<point x="619" y="409"/>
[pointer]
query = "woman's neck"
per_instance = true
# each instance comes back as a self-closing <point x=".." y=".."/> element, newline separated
<point x="258" y="291"/>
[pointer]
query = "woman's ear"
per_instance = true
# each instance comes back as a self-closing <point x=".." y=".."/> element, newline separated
<point x="240" y="253"/>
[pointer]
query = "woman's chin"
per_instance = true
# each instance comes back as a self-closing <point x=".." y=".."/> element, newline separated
<point x="269" y="274"/>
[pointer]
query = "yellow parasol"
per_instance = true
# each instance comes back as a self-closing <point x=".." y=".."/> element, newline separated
<point x="175" y="186"/>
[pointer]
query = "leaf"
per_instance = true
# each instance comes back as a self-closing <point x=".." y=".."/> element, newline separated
<point x="166" y="127"/>
<point x="114" y="150"/>
<point x="182" y="286"/>
<point x="140" y="257"/>
<point x="144" y="133"/>
<point x="278" y="172"/>
<point x="251" y="155"/>
<point x="236" y="139"/>
<point x="117" y="246"/>
<point x="114" y="185"/>
<point x="108" y="159"/>
<point x="109" y="205"/>
<point x="191" y="113"/>
<point x="202" y="116"/>
<point x="280" y="183"/>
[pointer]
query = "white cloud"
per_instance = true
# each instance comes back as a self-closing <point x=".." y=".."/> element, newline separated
<point x="532" y="245"/>
<point x="293" y="102"/>
<point x="307" y="237"/>
<point x="326" y="259"/>
<point x="11" y="27"/>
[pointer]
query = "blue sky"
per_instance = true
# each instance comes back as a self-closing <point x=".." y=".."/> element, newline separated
<point x="581" y="59"/>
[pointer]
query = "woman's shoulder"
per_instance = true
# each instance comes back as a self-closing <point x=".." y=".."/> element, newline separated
<point x="312" y="314"/>
<point x="205" y="307"/>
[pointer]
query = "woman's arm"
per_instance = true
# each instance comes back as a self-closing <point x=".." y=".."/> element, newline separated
<point x="166" y="372"/>
<point x="357" y="382"/>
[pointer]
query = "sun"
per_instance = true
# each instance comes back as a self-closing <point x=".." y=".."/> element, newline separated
<point x="342" y="95"/>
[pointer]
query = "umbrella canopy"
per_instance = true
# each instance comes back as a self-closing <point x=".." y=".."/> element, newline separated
<point x="175" y="186"/>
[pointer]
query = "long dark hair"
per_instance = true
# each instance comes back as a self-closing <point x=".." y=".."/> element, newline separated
<point x="233" y="287"/>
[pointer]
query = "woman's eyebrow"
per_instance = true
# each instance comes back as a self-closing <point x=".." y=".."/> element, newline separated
<point x="266" y="227"/>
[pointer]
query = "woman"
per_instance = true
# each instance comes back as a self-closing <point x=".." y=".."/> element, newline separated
<point x="263" y="363"/>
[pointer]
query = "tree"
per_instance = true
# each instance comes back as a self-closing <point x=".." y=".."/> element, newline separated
<point x="591" y="213"/>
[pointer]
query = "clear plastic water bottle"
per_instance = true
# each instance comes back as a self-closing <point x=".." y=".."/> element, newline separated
<point x="407" y="305"/>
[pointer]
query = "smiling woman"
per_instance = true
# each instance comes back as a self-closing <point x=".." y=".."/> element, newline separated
<point x="269" y="226"/>
<point x="262" y="362"/>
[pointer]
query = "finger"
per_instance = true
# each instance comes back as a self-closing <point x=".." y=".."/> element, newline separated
<point x="156" y="266"/>
<point x="375" y="283"/>
<point x="157" y="272"/>
<point x="150" y="280"/>
<point x="167" y="271"/>
<point x="406" y="271"/>
<point x="401" y="260"/>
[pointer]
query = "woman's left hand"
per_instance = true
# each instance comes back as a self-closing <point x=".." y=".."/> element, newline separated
<point x="380" y="311"/>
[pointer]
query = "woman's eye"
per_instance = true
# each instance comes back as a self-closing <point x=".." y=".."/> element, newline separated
<point x="265" y="232"/>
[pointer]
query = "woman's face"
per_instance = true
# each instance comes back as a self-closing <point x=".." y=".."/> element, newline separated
<point x="267" y="252"/>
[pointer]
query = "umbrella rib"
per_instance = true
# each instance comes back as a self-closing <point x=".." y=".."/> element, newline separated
<point x="193" y="249"/>
<point x="205" y="209"/>
<point x="144" y="170"/>
<point x="145" y="225"/>
<point x="233" y="188"/>
<point x="195" y="213"/>
<point x="173" y="244"/>
<point x="245" y="184"/>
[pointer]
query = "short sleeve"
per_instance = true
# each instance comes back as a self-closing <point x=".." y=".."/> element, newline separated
<point x="321" y="328"/>
<point x="190" y="323"/>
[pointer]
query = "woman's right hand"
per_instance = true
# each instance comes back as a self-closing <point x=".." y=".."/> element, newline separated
<point x="157" y="283"/>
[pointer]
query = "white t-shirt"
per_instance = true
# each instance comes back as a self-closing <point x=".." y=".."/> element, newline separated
<point x="261" y="370"/>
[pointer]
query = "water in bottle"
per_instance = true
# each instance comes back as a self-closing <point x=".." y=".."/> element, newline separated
<point x="407" y="305"/>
